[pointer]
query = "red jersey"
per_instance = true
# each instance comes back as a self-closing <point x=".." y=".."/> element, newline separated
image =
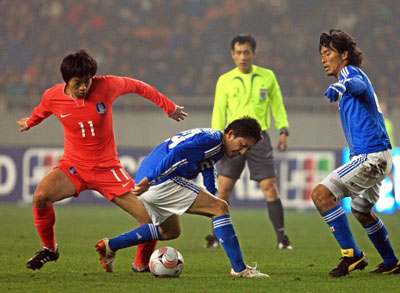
<point x="88" y="122"/>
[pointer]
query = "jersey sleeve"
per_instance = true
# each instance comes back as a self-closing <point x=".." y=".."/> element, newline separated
<point x="123" y="85"/>
<point x="40" y="113"/>
<point x="178" y="156"/>
<point x="353" y="81"/>
<point x="277" y="106"/>
<point x="210" y="180"/>
<point x="220" y="104"/>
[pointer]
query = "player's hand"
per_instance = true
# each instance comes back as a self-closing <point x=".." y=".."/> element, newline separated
<point x="282" y="144"/>
<point x="335" y="91"/>
<point x="22" y="123"/>
<point x="141" y="187"/>
<point x="178" y="115"/>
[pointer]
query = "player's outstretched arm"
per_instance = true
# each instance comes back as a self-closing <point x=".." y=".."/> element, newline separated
<point x="179" y="114"/>
<point x="22" y="123"/>
<point x="141" y="187"/>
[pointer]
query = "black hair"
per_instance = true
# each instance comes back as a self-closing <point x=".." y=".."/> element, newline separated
<point x="245" y="127"/>
<point x="241" y="39"/>
<point x="341" y="41"/>
<point x="79" y="64"/>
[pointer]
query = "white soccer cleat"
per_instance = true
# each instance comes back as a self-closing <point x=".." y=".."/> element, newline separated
<point x="107" y="256"/>
<point x="248" y="272"/>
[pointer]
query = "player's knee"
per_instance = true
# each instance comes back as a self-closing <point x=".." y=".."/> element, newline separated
<point x="320" y="197"/>
<point x="222" y="208"/>
<point x="41" y="198"/>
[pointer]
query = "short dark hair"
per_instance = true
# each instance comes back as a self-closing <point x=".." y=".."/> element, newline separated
<point x="245" y="127"/>
<point x="241" y="39"/>
<point x="79" y="64"/>
<point x="342" y="42"/>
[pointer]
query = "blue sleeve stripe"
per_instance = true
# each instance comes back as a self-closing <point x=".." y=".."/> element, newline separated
<point x="213" y="151"/>
<point x="345" y="72"/>
<point x="170" y="170"/>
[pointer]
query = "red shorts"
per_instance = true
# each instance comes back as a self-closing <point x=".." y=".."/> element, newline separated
<point x="109" y="178"/>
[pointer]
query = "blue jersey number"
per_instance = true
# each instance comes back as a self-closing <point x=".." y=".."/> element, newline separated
<point x="177" y="139"/>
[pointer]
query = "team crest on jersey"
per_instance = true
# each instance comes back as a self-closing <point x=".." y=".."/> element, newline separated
<point x="72" y="170"/>
<point x="101" y="108"/>
<point x="263" y="94"/>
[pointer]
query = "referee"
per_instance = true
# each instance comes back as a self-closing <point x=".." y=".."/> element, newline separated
<point x="252" y="91"/>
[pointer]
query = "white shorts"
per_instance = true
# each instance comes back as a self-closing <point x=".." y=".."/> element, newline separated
<point x="361" y="179"/>
<point x="172" y="197"/>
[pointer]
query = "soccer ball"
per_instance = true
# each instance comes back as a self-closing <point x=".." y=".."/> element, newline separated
<point x="166" y="262"/>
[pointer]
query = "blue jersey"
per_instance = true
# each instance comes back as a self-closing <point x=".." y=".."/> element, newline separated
<point x="186" y="154"/>
<point x="362" y="119"/>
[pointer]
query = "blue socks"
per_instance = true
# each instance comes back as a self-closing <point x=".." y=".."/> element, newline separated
<point x="339" y="224"/>
<point x="379" y="236"/>
<point x="227" y="236"/>
<point x="148" y="232"/>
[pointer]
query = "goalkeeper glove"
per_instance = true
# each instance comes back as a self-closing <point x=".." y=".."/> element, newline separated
<point x="335" y="91"/>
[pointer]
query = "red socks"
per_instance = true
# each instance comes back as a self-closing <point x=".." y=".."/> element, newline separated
<point x="143" y="253"/>
<point x="44" y="221"/>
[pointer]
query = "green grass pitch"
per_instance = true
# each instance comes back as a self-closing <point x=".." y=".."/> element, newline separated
<point x="305" y="269"/>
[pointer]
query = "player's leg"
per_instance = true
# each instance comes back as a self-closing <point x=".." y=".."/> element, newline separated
<point x="269" y="187"/>
<point x="262" y="169"/>
<point x="325" y="197"/>
<point x="376" y="230"/>
<point x="107" y="248"/>
<point x="55" y="186"/>
<point x="208" y="205"/>
<point x="145" y="232"/>
<point x="229" y="171"/>
<point x="225" y="190"/>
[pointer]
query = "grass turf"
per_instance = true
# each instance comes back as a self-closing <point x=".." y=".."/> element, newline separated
<point x="305" y="269"/>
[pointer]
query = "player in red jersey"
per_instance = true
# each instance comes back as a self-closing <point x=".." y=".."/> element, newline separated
<point x="83" y="104"/>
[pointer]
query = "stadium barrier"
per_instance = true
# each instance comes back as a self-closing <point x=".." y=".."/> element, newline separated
<point x="299" y="171"/>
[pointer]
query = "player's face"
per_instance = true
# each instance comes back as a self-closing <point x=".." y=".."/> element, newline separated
<point x="78" y="87"/>
<point x="236" y="146"/>
<point x="243" y="56"/>
<point x="333" y="61"/>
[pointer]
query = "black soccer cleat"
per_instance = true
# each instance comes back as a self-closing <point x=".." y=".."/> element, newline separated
<point x="42" y="257"/>
<point x="212" y="242"/>
<point x="349" y="264"/>
<point x="387" y="270"/>
<point x="285" y="243"/>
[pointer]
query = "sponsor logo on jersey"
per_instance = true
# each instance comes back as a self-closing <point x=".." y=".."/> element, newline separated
<point x="263" y="94"/>
<point x="72" y="170"/>
<point x="101" y="108"/>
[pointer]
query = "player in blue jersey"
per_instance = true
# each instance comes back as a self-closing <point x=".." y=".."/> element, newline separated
<point x="166" y="191"/>
<point x="371" y="157"/>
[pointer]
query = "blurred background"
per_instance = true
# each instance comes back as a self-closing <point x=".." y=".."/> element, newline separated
<point x="181" y="47"/>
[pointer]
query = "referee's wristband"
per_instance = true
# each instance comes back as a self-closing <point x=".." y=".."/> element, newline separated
<point x="284" y="131"/>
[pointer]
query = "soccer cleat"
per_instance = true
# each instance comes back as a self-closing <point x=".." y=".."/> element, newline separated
<point x="136" y="269"/>
<point x="285" y="243"/>
<point x="248" y="272"/>
<point x="387" y="270"/>
<point x="349" y="264"/>
<point x="212" y="242"/>
<point x="107" y="256"/>
<point x="42" y="257"/>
